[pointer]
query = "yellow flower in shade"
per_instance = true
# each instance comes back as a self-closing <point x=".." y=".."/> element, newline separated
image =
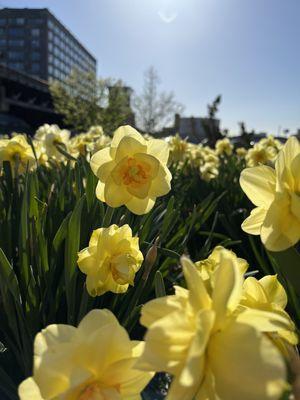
<point x="276" y="195"/>
<point x="50" y="136"/>
<point x="224" y="146"/>
<point x="132" y="171"/>
<point x="92" y="362"/>
<point x="18" y="152"/>
<point x="204" y="340"/>
<point x="111" y="260"/>
<point x="267" y="294"/>
<point x="207" y="268"/>
<point x="241" y="152"/>
<point x="259" y="154"/>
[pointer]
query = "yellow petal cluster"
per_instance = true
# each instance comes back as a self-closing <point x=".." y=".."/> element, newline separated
<point x="94" y="361"/>
<point x="215" y="347"/>
<point x="208" y="267"/>
<point x="276" y="194"/>
<point x="50" y="136"/>
<point x="18" y="152"/>
<point x="132" y="171"/>
<point x="224" y="146"/>
<point x="111" y="260"/>
<point x="268" y="295"/>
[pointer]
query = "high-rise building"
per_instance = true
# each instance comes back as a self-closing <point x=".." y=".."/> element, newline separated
<point x="33" y="41"/>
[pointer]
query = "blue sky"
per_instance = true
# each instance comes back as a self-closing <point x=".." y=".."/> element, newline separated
<point x="246" y="50"/>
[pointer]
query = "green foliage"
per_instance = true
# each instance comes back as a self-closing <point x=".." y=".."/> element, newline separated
<point x="84" y="101"/>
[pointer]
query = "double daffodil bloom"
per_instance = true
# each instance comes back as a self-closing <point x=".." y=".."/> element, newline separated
<point x="276" y="195"/>
<point x="132" y="171"/>
<point x="52" y="136"/>
<point x="214" y="348"/>
<point x="208" y="268"/>
<point x="18" y="152"/>
<point x="111" y="260"/>
<point x="92" y="362"/>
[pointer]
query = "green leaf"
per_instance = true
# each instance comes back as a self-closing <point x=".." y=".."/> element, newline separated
<point x="287" y="264"/>
<point x="71" y="255"/>
<point x="160" y="290"/>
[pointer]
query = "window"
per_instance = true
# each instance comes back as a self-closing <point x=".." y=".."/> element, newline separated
<point x="16" y="65"/>
<point x="16" y="32"/>
<point x="50" y="46"/>
<point x="35" y="32"/>
<point x="16" y="55"/>
<point x="35" y="43"/>
<point x="50" y="24"/>
<point x="2" y="21"/>
<point x="2" y="31"/>
<point x="16" y="42"/>
<point x="35" y="67"/>
<point x="2" y="42"/>
<point x="16" y="21"/>
<point x="37" y="21"/>
<point x="35" y="55"/>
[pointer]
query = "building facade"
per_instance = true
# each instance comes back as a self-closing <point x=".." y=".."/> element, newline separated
<point x="34" y="42"/>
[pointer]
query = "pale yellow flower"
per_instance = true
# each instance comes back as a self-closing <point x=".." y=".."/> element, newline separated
<point x="208" y="267"/>
<point x="92" y="362"/>
<point x="50" y="136"/>
<point x="259" y="154"/>
<point x="214" y="348"/>
<point x="224" y="146"/>
<point x="275" y="193"/>
<point x="95" y="131"/>
<point x="132" y="171"/>
<point x="18" y="152"/>
<point x="40" y="152"/>
<point x="178" y="148"/>
<point x="267" y="294"/>
<point x="241" y="152"/>
<point x="111" y="260"/>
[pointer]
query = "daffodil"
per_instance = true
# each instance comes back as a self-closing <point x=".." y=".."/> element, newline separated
<point x="267" y="294"/>
<point x="224" y="146"/>
<point x="92" y="362"/>
<point x="210" y="344"/>
<point x="208" y="267"/>
<point x="18" y="152"/>
<point x="259" y="154"/>
<point x="111" y="260"/>
<point x="275" y="193"/>
<point x="241" y="152"/>
<point x="132" y="171"/>
<point x="51" y="136"/>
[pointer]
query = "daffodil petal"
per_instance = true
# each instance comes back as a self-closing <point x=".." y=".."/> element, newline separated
<point x="253" y="223"/>
<point x="259" y="185"/>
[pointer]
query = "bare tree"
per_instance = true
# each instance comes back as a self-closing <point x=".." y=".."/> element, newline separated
<point x="153" y="109"/>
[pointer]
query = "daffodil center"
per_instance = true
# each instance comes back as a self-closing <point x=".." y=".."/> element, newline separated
<point x="135" y="172"/>
<point x="122" y="268"/>
<point x="95" y="391"/>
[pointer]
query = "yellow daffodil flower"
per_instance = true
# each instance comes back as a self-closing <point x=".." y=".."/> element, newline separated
<point x="267" y="294"/>
<point x="208" y="268"/>
<point x="111" y="260"/>
<point x="92" y="362"/>
<point x="18" y="152"/>
<point x="132" y="171"/>
<point x="224" y="146"/>
<point x="204" y="340"/>
<point x="275" y="193"/>
<point x="50" y="136"/>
